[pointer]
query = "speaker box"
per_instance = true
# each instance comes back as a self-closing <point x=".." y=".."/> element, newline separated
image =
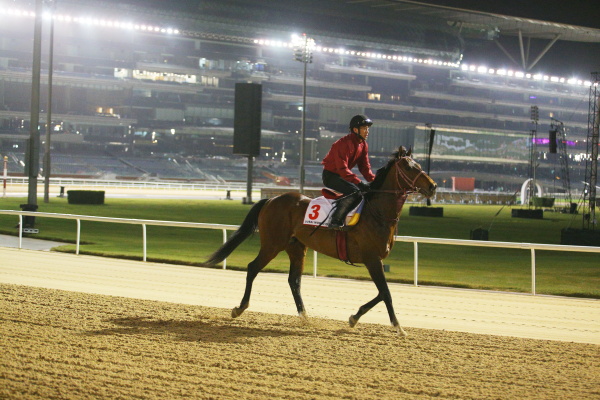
<point x="479" y="234"/>
<point x="247" y="115"/>
<point x="527" y="213"/>
<point x="552" y="141"/>
<point x="579" y="237"/>
<point x="426" y="211"/>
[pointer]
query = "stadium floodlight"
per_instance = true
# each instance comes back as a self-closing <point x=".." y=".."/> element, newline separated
<point x="91" y="21"/>
<point x="518" y="74"/>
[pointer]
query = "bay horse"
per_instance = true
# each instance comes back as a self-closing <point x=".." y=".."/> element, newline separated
<point x="280" y="225"/>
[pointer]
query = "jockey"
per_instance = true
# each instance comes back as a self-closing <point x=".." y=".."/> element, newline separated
<point x="346" y="153"/>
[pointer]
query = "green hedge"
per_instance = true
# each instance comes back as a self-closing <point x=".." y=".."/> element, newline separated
<point x="85" y="196"/>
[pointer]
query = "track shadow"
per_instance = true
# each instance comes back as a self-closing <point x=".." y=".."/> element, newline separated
<point x="219" y="330"/>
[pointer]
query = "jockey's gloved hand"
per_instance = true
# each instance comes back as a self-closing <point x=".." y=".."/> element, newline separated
<point x="364" y="187"/>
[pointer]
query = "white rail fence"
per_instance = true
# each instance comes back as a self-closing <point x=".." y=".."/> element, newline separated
<point x="532" y="247"/>
<point x="135" y="184"/>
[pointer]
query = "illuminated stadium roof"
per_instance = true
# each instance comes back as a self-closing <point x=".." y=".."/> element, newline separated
<point x="471" y="24"/>
<point x="478" y="21"/>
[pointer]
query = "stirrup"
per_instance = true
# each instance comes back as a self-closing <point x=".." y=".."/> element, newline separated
<point x="337" y="227"/>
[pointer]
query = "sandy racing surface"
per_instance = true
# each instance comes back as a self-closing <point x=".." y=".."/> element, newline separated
<point x="74" y="327"/>
<point x="68" y="345"/>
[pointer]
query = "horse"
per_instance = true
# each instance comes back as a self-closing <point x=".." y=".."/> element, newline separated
<point x="279" y="221"/>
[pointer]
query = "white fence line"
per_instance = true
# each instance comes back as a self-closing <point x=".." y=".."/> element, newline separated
<point x="78" y="182"/>
<point x="143" y="222"/>
<point x="481" y="243"/>
<point x="532" y="247"/>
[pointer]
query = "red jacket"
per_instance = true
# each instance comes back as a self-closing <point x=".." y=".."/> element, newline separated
<point x="345" y="154"/>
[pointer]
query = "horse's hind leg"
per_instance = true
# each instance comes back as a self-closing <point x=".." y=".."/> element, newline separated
<point x="363" y="310"/>
<point x="254" y="268"/>
<point x="296" y="252"/>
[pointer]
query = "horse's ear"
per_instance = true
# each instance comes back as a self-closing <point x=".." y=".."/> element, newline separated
<point x="402" y="151"/>
<point x="409" y="152"/>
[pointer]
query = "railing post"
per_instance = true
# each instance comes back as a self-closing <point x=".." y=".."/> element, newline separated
<point x="144" y="239"/>
<point x="533" y="271"/>
<point x="78" y="235"/>
<point x="315" y="264"/>
<point x="416" y="256"/>
<point x="224" y="240"/>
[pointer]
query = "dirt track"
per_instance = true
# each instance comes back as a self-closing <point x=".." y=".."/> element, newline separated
<point x="67" y="345"/>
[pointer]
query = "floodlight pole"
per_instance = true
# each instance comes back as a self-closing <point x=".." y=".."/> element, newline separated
<point x="32" y="163"/>
<point x="47" y="163"/>
<point x="303" y="132"/>
<point x="304" y="55"/>
<point x="249" y="179"/>
<point x="5" y="176"/>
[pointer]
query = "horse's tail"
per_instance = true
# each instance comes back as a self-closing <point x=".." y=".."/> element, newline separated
<point x="247" y="228"/>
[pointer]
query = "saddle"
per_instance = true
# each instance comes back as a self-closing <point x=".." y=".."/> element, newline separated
<point x="318" y="214"/>
<point x="331" y="194"/>
<point x="319" y="210"/>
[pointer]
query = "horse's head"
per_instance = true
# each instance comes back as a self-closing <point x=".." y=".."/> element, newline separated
<point x="410" y="176"/>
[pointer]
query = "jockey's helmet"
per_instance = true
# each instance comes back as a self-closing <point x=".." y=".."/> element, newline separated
<point x="360" y="120"/>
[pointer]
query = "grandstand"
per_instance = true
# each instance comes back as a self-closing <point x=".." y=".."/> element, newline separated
<point x="153" y="99"/>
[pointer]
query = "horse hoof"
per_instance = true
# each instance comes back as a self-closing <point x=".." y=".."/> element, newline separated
<point x="401" y="332"/>
<point x="236" y="312"/>
<point x="352" y="321"/>
<point x="303" y="316"/>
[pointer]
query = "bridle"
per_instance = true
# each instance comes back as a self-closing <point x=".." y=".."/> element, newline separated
<point x="402" y="178"/>
<point x="411" y="183"/>
<point x="403" y="191"/>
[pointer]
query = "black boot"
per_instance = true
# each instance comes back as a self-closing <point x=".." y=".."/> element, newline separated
<point x="342" y="207"/>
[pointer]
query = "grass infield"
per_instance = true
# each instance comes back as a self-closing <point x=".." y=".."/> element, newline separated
<point x="558" y="273"/>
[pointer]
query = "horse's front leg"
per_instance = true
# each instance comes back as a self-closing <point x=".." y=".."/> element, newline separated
<point x="375" y="269"/>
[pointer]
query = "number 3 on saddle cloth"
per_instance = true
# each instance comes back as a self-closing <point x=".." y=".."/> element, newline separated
<point x="319" y="210"/>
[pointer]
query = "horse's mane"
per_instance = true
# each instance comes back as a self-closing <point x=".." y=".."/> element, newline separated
<point x="382" y="172"/>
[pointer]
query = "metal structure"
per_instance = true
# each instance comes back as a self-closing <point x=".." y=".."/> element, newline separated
<point x="428" y="147"/>
<point x="591" y="165"/>
<point x="535" y="116"/>
<point x="561" y="137"/>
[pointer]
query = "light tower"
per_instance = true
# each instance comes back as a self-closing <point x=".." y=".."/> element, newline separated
<point x="303" y="53"/>
<point x="591" y="165"/>
<point x="589" y="235"/>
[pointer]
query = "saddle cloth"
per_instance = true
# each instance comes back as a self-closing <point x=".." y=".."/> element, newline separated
<point x="319" y="212"/>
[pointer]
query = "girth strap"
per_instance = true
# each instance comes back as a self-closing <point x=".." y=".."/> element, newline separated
<point x="341" y="241"/>
<point x="342" y="246"/>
